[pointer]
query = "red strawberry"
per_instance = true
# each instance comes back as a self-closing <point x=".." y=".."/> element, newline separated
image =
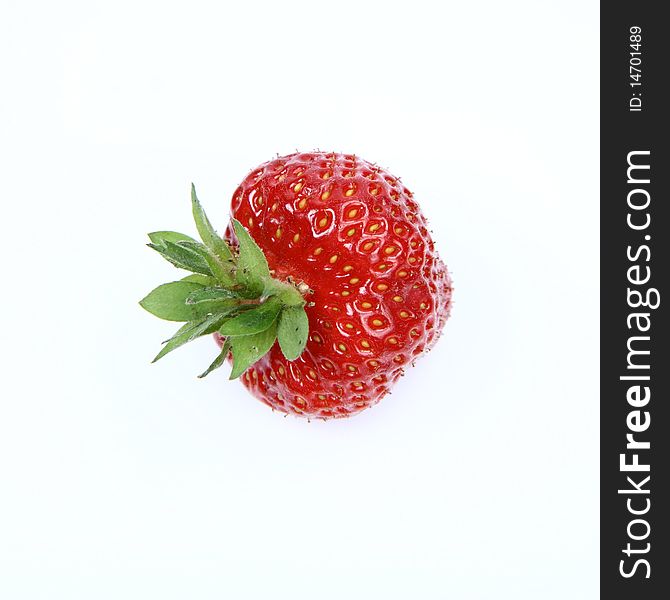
<point x="351" y="234"/>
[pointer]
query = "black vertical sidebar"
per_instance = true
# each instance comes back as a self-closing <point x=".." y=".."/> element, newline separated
<point x="635" y="268"/>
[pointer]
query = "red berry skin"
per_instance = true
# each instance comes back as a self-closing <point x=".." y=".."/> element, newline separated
<point x="381" y="295"/>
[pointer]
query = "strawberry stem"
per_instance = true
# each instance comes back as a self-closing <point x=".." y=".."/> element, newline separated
<point x="231" y="291"/>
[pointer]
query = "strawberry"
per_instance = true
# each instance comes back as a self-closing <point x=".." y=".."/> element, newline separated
<point x="329" y="256"/>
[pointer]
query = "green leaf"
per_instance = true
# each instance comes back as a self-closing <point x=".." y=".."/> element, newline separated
<point x="201" y="279"/>
<point x="252" y="267"/>
<point x="222" y="263"/>
<point x="253" y="321"/>
<point x="160" y="237"/>
<point x="193" y="246"/>
<point x="211" y="293"/>
<point x="207" y="233"/>
<point x="176" y="340"/>
<point x="189" y="332"/>
<point x="219" y="360"/>
<point x="223" y="273"/>
<point x="247" y="349"/>
<point x="183" y="257"/>
<point x="168" y="301"/>
<point x="292" y="331"/>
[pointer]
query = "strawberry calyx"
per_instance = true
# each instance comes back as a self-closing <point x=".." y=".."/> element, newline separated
<point x="230" y="291"/>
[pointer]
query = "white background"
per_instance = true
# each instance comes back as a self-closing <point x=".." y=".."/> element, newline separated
<point x="475" y="479"/>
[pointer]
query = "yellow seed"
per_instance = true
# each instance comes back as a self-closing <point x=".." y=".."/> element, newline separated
<point x="281" y="370"/>
<point x="341" y="347"/>
<point x="366" y="305"/>
<point x="327" y="364"/>
<point x="412" y="259"/>
<point x="251" y="222"/>
<point x="377" y="322"/>
<point x="302" y="203"/>
<point x="398" y="230"/>
<point x="404" y="314"/>
<point x="345" y="293"/>
<point x="318" y="251"/>
<point x="354" y="280"/>
<point x="297" y="187"/>
<point x="374" y="191"/>
<point x="402" y="273"/>
<point x="365" y="344"/>
<point x="278" y="232"/>
<point x="325" y="195"/>
<point x="382" y="287"/>
<point x="347" y="268"/>
<point x="349" y="192"/>
<point x="351" y="232"/>
<point x="322" y="397"/>
<point x="276" y="205"/>
<point x="414" y="333"/>
<point x="326" y="175"/>
<point x="389" y="249"/>
<point x="398" y="358"/>
<point x="382" y="266"/>
<point x="374" y="363"/>
<point x="373" y="227"/>
<point x="300" y="400"/>
<point x="413" y="244"/>
<point x="423" y="306"/>
<point x="397" y="298"/>
<point x="317" y="338"/>
<point x="323" y="222"/>
<point x="333" y="259"/>
<point x="352" y="213"/>
<point x="348" y="326"/>
<point x="368" y="245"/>
<point x="312" y="373"/>
<point x="393" y="340"/>
<point x="351" y="368"/>
<point x="296" y="237"/>
<point x="260" y="200"/>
